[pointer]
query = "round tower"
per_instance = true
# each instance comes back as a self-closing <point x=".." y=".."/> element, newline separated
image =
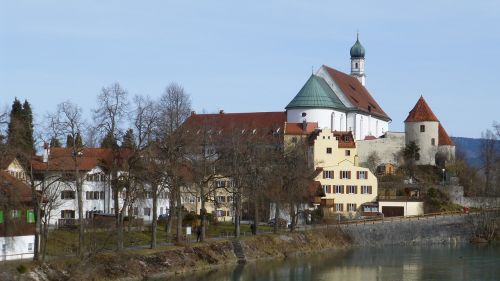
<point x="358" y="61"/>
<point x="422" y="127"/>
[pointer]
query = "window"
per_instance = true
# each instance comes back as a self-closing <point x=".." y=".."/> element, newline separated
<point x="352" y="189"/>
<point x="67" y="214"/>
<point x="345" y="174"/>
<point x="433" y="141"/>
<point x="147" y="212"/>
<point x="348" y="153"/>
<point x="4" y="247"/>
<point x="366" y="189"/>
<point x="220" y="199"/>
<point x="30" y="216"/>
<point x="351" y="207"/>
<point x="67" y="194"/>
<point x="294" y="139"/>
<point x="102" y="195"/>
<point x="422" y="128"/>
<point x="356" y="65"/>
<point x="327" y="189"/>
<point x="30" y="247"/>
<point x="328" y="174"/>
<point x="339" y="207"/>
<point x="135" y="211"/>
<point x="15" y="214"/>
<point x="339" y="189"/>
<point x="362" y="175"/>
<point x="328" y="150"/>
<point x="94" y="195"/>
<point x="220" y="183"/>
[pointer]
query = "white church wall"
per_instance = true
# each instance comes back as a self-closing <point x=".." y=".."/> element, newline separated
<point x="321" y="115"/>
<point x="385" y="147"/>
<point x="17" y="247"/>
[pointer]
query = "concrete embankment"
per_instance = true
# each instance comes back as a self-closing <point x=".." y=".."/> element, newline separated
<point x="412" y="231"/>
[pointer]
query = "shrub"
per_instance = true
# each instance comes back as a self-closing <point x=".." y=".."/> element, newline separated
<point x="22" y="268"/>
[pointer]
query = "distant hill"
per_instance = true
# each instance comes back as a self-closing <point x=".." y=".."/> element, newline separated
<point x="471" y="148"/>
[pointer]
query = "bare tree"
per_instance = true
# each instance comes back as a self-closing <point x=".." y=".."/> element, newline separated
<point x="489" y="157"/>
<point x="111" y="112"/>
<point x="68" y="121"/>
<point x="174" y="108"/>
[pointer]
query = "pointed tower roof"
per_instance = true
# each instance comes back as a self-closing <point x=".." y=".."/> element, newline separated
<point x="421" y="112"/>
<point x="444" y="139"/>
<point x="316" y="93"/>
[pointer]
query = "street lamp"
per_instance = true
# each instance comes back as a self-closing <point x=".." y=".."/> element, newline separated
<point x="443" y="175"/>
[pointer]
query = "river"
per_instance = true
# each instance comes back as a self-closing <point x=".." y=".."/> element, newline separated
<point x="440" y="263"/>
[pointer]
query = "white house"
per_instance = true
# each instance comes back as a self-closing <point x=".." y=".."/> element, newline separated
<point x="17" y="219"/>
<point x="56" y="170"/>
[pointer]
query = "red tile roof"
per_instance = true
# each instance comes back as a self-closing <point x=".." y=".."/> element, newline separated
<point x="370" y="137"/>
<point x="444" y="139"/>
<point x="61" y="159"/>
<point x="14" y="189"/>
<point x="421" y="112"/>
<point x="346" y="140"/>
<point x="257" y="123"/>
<point x="298" y="128"/>
<point x="357" y="94"/>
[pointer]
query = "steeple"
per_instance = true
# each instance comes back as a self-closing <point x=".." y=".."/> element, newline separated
<point x="358" y="61"/>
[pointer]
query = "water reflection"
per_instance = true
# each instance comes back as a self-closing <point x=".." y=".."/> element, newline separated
<point x="441" y="263"/>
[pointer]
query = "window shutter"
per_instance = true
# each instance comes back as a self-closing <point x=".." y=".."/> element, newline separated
<point x="329" y="189"/>
<point x="355" y="189"/>
<point x="366" y="175"/>
<point x="324" y="174"/>
<point x="30" y="216"/>
<point x="1" y="216"/>
<point x="349" y="174"/>
<point x="342" y="189"/>
<point x="357" y="175"/>
<point x="370" y="189"/>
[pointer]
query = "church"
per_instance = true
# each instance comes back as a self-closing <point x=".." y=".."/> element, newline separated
<point x="340" y="101"/>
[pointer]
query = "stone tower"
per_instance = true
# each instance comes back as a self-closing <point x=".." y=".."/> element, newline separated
<point x="422" y="127"/>
<point x="358" y="61"/>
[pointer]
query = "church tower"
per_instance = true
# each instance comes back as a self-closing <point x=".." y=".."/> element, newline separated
<point x="358" y="61"/>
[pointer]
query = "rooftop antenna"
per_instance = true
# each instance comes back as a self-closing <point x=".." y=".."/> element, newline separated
<point x="312" y="69"/>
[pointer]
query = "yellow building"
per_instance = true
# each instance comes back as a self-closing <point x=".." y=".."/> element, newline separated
<point x="348" y="188"/>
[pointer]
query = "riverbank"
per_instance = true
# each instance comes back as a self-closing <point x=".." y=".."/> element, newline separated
<point x="174" y="260"/>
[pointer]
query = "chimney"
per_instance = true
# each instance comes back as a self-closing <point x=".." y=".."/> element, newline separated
<point x="46" y="152"/>
<point x="193" y="113"/>
<point x="221" y="111"/>
<point x="304" y="125"/>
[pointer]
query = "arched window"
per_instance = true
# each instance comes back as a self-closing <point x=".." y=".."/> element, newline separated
<point x="356" y="65"/>
<point x="333" y="121"/>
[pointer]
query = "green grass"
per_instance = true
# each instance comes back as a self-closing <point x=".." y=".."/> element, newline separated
<point x="63" y="242"/>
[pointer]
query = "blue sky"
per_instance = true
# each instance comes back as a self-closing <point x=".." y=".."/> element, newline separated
<point x="255" y="55"/>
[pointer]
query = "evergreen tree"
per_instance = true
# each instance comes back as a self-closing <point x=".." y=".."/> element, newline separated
<point x="78" y="141"/>
<point x="128" y="139"/>
<point x="108" y="141"/>
<point x="54" y="142"/>
<point x="20" y="130"/>
<point x="28" y="127"/>
<point x="69" y="141"/>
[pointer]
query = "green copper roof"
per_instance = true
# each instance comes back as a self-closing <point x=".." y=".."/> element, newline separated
<point x="357" y="50"/>
<point x="316" y="93"/>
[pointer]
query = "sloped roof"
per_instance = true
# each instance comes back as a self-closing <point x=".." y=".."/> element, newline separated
<point x="357" y="94"/>
<point x="444" y="139"/>
<point x="298" y="128"/>
<point x="14" y="189"/>
<point x="224" y="123"/>
<point x="421" y="112"/>
<point x="316" y="93"/>
<point x="61" y="159"/>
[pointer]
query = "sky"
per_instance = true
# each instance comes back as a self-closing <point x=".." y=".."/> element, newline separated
<point x="246" y="56"/>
